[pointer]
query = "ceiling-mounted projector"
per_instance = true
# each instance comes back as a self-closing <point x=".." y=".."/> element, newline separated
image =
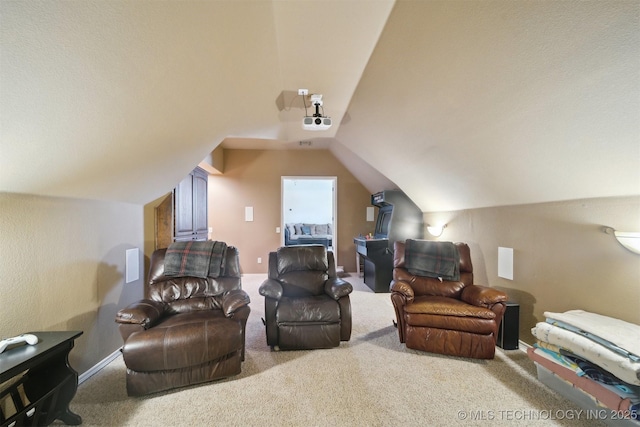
<point x="317" y="121"/>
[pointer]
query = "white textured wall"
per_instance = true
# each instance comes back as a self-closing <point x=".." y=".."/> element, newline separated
<point x="62" y="266"/>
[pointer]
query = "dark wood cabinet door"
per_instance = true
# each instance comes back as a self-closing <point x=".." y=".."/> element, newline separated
<point x="200" y="185"/>
<point x="182" y="216"/>
<point x="184" y="207"/>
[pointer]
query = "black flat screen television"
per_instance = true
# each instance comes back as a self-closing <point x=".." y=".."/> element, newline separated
<point x="382" y="223"/>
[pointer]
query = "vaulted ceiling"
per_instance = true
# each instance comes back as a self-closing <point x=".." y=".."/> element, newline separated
<point x="461" y="104"/>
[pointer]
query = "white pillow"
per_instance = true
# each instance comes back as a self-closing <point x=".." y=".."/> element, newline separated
<point x="322" y="229"/>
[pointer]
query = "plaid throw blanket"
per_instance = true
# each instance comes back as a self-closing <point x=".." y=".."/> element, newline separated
<point x="195" y="259"/>
<point x="432" y="259"/>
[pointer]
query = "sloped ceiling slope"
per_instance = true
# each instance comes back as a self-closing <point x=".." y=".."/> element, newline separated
<point x="475" y="104"/>
<point x="120" y="100"/>
<point x="111" y="100"/>
<point x="459" y="104"/>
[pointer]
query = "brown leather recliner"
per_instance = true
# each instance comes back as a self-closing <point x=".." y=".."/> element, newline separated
<point x="455" y="318"/>
<point x="306" y="304"/>
<point x="191" y="330"/>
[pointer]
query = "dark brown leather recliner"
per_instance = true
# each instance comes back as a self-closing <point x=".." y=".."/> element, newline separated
<point x="454" y="318"/>
<point x="306" y="304"/>
<point x="189" y="331"/>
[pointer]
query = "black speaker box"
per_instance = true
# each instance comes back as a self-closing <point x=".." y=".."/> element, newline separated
<point x="508" y="333"/>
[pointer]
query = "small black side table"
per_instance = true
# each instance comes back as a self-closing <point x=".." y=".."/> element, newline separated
<point x="49" y="384"/>
<point x="508" y="333"/>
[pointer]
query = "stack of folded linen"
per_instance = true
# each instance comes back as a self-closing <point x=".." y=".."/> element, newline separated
<point x="598" y="356"/>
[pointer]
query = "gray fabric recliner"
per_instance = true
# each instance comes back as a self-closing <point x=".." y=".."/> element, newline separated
<point x="307" y="305"/>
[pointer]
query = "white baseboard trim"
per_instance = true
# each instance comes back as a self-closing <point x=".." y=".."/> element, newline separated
<point x="97" y="367"/>
<point x="523" y="346"/>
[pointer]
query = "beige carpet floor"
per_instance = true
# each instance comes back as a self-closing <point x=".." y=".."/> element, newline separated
<point x="372" y="380"/>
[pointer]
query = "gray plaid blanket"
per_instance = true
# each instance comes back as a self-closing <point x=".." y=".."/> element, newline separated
<point x="432" y="259"/>
<point x="195" y="259"/>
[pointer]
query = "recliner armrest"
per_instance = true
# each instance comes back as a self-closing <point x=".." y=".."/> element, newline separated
<point x="271" y="289"/>
<point x="337" y="288"/>
<point x="403" y="288"/>
<point x="233" y="300"/>
<point x="482" y="296"/>
<point x="145" y="313"/>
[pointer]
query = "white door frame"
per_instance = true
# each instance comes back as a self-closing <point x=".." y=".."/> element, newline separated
<point x="334" y="213"/>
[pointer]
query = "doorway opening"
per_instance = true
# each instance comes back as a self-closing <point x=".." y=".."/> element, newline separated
<point x="309" y="211"/>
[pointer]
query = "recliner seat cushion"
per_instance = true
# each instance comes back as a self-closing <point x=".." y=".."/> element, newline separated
<point x="316" y="309"/>
<point x="447" y="307"/>
<point x="184" y="340"/>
